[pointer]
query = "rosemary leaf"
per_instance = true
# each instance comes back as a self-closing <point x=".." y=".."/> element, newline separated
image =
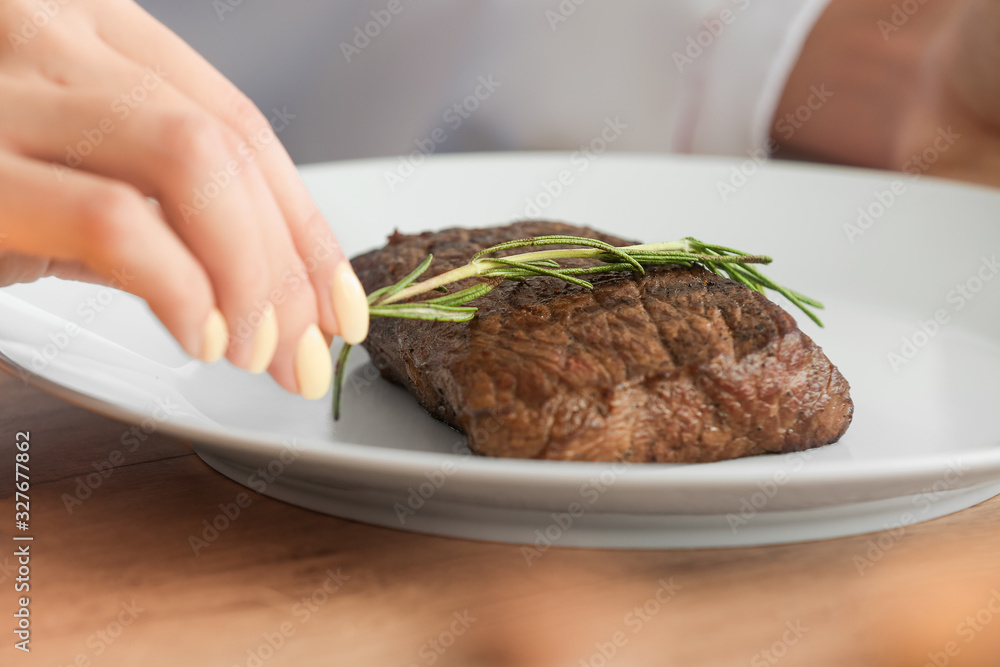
<point x="423" y="311"/>
<point x="541" y="271"/>
<point x="462" y="296"/>
<point x="397" y="300"/>
<point x="402" y="284"/>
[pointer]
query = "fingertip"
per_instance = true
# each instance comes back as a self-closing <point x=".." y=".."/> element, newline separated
<point x="265" y="342"/>
<point x="313" y="365"/>
<point x="350" y="304"/>
<point x="215" y="337"/>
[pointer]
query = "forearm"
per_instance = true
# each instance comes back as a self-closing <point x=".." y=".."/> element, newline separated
<point x="974" y="57"/>
<point x="872" y="63"/>
<point x="969" y="96"/>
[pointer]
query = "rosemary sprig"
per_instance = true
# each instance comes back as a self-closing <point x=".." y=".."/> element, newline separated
<point x="396" y="300"/>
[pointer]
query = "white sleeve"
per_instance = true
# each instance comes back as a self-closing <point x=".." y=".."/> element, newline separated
<point x="737" y="80"/>
<point x="563" y="71"/>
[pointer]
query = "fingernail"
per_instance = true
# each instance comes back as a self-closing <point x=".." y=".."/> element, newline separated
<point x="313" y="365"/>
<point x="265" y="342"/>
<point x="215" y="337"/>
<point x="350" y="304"/>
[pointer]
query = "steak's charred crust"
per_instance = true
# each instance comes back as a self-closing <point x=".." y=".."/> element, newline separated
<point x="677" y="365"/>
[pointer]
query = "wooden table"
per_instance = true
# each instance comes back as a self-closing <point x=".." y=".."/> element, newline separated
<point x="115" y="581"/>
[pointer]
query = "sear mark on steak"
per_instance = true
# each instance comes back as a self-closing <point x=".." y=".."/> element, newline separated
<point x="677" y="366"/>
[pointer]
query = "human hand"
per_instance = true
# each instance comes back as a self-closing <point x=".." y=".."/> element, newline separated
<point x="102" y="108"/>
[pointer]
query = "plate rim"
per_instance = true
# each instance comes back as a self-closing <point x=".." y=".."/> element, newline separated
<point x="413" y="463"/>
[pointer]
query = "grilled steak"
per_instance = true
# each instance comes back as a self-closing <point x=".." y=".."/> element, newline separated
<point x="678" y="365"/>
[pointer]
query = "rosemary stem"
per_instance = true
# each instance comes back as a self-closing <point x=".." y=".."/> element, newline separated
<point x="453" y="307"/>
<point x="670" y="246"/>
<point x="446" y="278"/>
<point x="484" y="265"/>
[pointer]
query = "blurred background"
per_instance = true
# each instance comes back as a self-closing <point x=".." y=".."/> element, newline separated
<point x="522" y="74"/>
<point x="345" y="80"/>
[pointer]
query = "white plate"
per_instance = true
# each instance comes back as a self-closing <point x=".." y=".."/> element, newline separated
<point x="925" y="440"/>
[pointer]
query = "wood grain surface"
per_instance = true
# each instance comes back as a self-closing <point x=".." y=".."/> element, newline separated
<point x="115" y="581"/>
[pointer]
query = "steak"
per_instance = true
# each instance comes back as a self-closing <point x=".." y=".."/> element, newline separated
<point x="678" y="365"/>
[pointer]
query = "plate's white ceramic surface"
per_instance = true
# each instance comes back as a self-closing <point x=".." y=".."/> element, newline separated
<point x="915" y="277"/>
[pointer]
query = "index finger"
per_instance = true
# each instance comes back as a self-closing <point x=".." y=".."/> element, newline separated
<point x="342" y="303"/>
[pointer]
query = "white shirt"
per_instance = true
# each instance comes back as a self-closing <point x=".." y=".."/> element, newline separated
<point x="383" y="77"/>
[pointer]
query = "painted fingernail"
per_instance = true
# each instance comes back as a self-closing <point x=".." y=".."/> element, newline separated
<point x="313" y="365"/>
<point x="350" y="304"/>
<point x="215" y="337"/>
<point x="265" y="342"/>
